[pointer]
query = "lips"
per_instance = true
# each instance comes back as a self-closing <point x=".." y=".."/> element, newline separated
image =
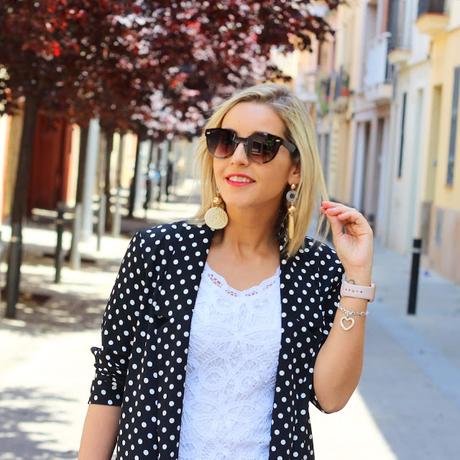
<point x="239" y="175"/>
<point x="239" y="180"/>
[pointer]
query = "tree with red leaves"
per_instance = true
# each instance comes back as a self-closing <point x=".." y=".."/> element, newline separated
<point x="152" y="66"/>
<point x="200" y="51"/>
<point x="64" y="57"/>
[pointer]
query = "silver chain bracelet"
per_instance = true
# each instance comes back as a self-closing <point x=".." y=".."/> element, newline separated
<point x="349" y="317"/>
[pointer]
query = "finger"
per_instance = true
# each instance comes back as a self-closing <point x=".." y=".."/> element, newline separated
<point x="336" y="224"/>
<point x="338" y="209"/>
<point x="353" y="216"/>
<point x="329" y="204"/>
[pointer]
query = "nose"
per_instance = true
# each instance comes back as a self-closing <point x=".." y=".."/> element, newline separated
<point x="239" y="155"/>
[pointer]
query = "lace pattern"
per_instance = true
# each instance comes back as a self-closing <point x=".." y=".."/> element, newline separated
<point x="220" y="281"/>
<point x="231" y="370"/>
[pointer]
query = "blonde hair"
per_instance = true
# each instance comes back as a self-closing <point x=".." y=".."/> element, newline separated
<point x="300" y="130"/>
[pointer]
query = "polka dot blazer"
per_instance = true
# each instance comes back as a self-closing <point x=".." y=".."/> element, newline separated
<point x="145" y="334"/>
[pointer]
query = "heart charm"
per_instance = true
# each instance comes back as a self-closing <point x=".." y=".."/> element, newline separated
<point x="350" y="325"/>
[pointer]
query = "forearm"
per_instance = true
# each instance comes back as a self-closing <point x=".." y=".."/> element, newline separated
<point x="99" y="432"/>
<point x="339" y="362"/>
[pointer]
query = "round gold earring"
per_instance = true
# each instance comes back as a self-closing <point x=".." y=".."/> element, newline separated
<point x="216" y="216"/>
<point x="291" y="195"/>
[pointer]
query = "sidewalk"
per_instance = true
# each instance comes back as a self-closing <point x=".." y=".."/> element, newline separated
<point x="407" y="405"/>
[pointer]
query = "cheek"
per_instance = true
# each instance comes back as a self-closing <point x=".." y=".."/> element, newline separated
<point x="215" y="169"/>
<point x="277" y="177"/>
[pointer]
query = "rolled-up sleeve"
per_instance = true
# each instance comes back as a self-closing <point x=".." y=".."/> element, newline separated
<point x="331" y="281"/>
<point x="118" y="321"/>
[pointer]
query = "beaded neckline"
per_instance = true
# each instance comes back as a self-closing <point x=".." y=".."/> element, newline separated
<point x="221" y="282"/>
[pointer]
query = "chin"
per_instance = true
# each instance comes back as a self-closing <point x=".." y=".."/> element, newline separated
<point x="239" y="204"/>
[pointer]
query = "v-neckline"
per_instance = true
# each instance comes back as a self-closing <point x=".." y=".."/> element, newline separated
<point x="244" y="292"/>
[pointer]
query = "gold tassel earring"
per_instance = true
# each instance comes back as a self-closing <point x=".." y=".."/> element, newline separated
<point x="291" y="195"/>
<point x="216" y="217"/>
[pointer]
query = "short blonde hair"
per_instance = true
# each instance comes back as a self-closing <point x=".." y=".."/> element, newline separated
<point x="300" y="130"/>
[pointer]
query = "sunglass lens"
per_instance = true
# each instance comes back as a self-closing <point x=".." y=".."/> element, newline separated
<point x="220" y="142"/>
<point x="263" y="148"/>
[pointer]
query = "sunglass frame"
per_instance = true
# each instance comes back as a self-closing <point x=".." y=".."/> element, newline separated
<point x="247" y="143"/>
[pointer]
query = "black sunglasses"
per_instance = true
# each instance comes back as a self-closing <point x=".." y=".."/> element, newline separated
<point x="259" y="147"/>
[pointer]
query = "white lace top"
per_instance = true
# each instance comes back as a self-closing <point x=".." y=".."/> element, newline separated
<point x="231" y="370"/>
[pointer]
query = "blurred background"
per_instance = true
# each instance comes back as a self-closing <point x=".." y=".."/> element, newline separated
<point x="101" y="105"/>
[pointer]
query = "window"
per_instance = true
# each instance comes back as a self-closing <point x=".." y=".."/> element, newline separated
<point x="453" y="127"/>
<point x="401" y="136"/>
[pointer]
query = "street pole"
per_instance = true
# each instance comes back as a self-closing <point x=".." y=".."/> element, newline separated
<point x="412" y="301"/>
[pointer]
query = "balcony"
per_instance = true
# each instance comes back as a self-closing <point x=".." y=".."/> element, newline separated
<point x="432" y="18"/>
<point x="341" y="81"/>
<point x="399" y="56"/>
<point x="377" y="86"/>
<point x="323" y="91"/>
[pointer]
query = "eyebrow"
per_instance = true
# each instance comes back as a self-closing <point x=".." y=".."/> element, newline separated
<point x="254" y="132"/>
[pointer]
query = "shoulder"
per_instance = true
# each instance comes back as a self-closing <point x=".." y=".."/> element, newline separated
<point x="168" y="234"/>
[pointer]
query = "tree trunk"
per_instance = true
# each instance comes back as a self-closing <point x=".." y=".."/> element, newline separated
<point x="19" y="205"/>
<point x="132" y="187"/>
<point x="158" y="156"/>
<point x="116" y="219"/>
<point x="81" y="163"/>
<point x="79" y="192"/>
<point x="159" y="166"/>
<point x="107" y="184"/>
<point x="89" y="181"/>
<point x="150" y="179"/>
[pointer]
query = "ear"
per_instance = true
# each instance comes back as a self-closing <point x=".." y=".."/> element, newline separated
<point x="294" y="173"/>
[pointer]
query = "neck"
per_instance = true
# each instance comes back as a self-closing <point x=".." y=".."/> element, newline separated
<point x="249" y="233"/>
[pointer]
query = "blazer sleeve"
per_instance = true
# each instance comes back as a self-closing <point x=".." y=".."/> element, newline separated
<point x="330" y="292"/>
<point x="118" y="322"/>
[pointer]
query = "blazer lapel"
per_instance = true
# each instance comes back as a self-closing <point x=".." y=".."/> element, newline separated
<point x="173" y="309"/>
<point x="290" y="407"/>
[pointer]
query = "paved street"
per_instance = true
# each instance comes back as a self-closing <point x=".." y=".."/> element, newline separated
<point x="407" y="405"/>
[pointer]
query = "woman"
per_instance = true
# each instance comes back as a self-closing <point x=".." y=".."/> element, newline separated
<point x="236" y="381"/>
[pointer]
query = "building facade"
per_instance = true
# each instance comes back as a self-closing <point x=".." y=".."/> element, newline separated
<point x="440" y="22"/>
<point x="387" y="100"/>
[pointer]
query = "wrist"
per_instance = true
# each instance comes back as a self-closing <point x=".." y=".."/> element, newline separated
<point x="358" y="284"/>
<point x="361" y="277"/>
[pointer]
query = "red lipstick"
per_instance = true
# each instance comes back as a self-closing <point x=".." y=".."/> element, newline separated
<point x="230" y="179"/>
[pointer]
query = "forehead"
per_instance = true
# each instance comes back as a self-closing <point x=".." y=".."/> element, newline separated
<point x="248" y="117"/>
